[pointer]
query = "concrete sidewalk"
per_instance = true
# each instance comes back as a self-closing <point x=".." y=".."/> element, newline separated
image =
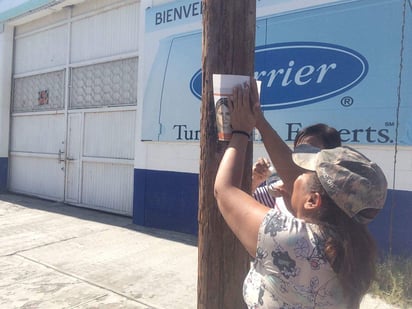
<point x="57" y="256"/>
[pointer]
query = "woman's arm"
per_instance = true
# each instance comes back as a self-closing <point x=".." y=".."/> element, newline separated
<point x="241" y="212"/>
<point x="279" y="152"/>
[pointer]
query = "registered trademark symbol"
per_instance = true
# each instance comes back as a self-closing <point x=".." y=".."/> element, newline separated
<point x="346" y="101"/>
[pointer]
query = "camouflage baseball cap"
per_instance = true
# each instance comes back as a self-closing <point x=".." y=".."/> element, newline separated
<point x="351" y="180"/>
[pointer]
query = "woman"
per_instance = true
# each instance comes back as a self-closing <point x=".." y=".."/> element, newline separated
<point x="322" y="256"/>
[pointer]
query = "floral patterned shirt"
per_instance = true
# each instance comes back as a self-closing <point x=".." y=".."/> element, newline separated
<point x="290" y="269"/>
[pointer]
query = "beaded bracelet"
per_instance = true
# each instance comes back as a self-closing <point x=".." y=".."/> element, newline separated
<point x="241" y="132"/>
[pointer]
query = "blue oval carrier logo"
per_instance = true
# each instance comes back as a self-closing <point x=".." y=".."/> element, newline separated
<point x="300" y="73"/>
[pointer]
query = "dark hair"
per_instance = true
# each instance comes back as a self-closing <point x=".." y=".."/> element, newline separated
<point x="349" y="247"/>
<point x="329" y="136"/>
<point x="222" y="101"/>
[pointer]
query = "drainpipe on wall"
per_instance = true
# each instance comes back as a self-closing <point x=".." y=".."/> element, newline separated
<point x="6" y="60"/>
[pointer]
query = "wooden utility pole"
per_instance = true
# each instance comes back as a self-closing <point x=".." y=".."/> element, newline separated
<point x="228" y="48"/>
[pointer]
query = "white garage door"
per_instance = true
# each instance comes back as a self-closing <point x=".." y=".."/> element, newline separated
<point x="74" y="106"/>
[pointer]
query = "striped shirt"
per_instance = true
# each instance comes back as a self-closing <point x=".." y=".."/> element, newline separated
<point x="263" y="196"/>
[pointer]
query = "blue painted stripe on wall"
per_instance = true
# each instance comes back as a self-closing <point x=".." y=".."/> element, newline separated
<point x="4" y="163"/>
<point x="169" y="200"/>
<point x="166" y="200"/>
<point x="392" y="228"/>
<point x="139" y="193"/>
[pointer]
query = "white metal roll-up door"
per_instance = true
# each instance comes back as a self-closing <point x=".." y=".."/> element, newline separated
<point x="74" y="106"/>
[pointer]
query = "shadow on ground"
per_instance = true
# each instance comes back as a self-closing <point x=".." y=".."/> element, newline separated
<point x="93" y="215"/>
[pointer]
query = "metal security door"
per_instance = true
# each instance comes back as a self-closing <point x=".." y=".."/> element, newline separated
<point x="76" y="144"/>
<point x="37" y="141"/>
<point x="38" y="115"/>
<point x="37" y="156"/>
<point x="99" y="159"/>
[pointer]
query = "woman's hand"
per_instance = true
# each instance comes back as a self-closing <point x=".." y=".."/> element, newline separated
<point x="260" y="172"/>
<point x="241" y="109"/>
<point x="255" y="103"/>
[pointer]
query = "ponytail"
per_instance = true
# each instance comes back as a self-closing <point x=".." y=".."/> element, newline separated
<point x="350" y="248"/>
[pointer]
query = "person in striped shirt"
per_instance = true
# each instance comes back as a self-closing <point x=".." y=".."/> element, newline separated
<point x="267" y="187"/>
